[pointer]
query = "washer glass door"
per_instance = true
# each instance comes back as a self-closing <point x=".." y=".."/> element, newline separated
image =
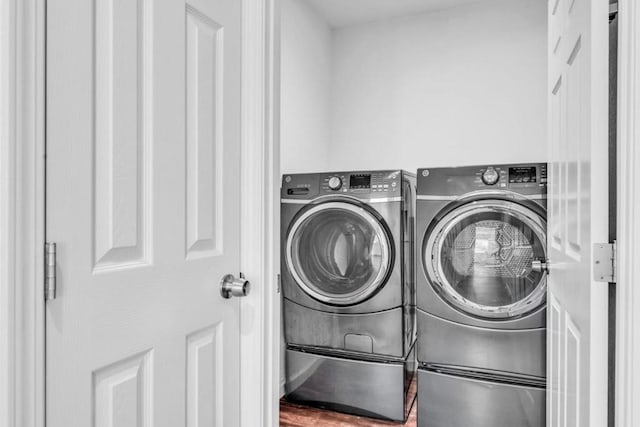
<point x="479" y="258"/>
<point x="338" y="252"/>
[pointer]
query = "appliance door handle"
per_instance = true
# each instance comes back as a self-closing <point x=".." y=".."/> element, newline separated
<point x="540" y="266"/>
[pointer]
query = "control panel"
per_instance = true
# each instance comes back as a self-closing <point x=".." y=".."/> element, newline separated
<point x="358" y="184"/>
<point x="523" y="178"/>
<point x="511" y="176"/>
<point x="361" y="183"/>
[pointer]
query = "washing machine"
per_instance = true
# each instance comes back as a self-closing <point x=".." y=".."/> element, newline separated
<point x="348" y="289"/>
<point x="481" y="295"/>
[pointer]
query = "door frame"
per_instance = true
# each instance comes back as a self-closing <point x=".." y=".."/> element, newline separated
<point x="627" y="376"/>
<point x="22" y="213"/>
<point x="22" y="79"/>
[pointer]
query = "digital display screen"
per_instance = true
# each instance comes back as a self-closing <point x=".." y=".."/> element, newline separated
<point x="360" y="181"/>
<point x="522" y="175"/>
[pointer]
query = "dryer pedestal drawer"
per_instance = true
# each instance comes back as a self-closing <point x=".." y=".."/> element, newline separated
<point x="360" y="387"/>
<point x="380" y="333"/>
<point x="448" y="343"/>
<point x="455" y="401"/>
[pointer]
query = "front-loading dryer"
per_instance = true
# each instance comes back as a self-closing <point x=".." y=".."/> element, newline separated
<point x="481" y="304"/>
<point x="349" y="290"/>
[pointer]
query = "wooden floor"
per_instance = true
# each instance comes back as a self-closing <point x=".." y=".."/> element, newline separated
<point x="292" y="415"/>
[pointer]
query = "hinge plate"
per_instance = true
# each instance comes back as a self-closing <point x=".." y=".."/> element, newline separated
<point x="49" y="271"/>
<point x="278" y="283"/>
<point x="604" y="262"/>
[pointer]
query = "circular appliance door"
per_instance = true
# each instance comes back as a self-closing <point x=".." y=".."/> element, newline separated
<point x="338" y="252"/>
<point x="478" y="258"/>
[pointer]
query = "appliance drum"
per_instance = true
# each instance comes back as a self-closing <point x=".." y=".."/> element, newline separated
<point x="479" y="259"/>
<point x="338" y="252"/>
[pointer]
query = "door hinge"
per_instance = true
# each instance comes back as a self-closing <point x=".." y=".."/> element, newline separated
<point x="49" y="271"/>
<point x="605" y="262"/>
<point x="278" y="283"/>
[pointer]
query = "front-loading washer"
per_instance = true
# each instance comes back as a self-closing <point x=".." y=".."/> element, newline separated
<point x="349" y="290"/>
<point x="347" y="261"/>
<point x="481" y="304"/>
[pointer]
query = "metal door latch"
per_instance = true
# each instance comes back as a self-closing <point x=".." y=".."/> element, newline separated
<point x="232" y="287"/>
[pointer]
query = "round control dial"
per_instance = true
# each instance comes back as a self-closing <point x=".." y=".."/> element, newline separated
<point x="335" y="183"/>
<point x="490" y="176"/>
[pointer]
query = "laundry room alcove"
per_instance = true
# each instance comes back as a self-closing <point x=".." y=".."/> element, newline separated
<point x="408" y="84"/>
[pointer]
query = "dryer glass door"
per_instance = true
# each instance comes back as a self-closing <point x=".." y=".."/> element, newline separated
<point x="479" y="258"/>
<point x="338" y="252"/>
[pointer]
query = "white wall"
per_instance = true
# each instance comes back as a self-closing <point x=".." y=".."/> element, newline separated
<point x="305" y="94"/>
<point x="460" y="86"/>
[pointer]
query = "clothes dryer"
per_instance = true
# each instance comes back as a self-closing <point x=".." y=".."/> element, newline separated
<point x="481" y="235"/>
<point x="348" y="289"/>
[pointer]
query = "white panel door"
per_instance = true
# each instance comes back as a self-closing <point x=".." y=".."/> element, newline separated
<point x="578" y="198"/>
<point x="143" y="161"/>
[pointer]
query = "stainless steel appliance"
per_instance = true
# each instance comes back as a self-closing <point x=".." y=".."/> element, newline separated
<point x="481" y="285"/>
<point x="348" y="290"/>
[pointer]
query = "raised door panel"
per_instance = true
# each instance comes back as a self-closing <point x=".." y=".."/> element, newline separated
<point x="572" y="364"/>
<point x="204" y="378"/>
<point x="205" y="56"/>
<point x="554" y="350"/>
<point x="556" y="170"/>
<point x="576" y="124"/>
<point x="123" y="393"/>
<point x="121" y="148"/>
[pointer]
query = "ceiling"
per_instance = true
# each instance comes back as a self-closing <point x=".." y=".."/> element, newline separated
<point x="342" y="13"/>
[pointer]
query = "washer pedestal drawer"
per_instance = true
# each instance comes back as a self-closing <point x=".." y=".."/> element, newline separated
<point x="455" y="401"/>
<point x="377" y="389"/>
<point x="381" y="333"/>
<point x="444" y="342"/>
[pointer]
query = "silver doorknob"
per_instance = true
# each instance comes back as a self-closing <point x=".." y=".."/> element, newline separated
<point x="540" y="266"/>
<point x="232" y="287"/>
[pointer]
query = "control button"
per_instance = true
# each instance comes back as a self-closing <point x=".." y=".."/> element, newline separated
<point x="393" y="184"/>
<point x="335" y="183"/>
<point x="490" y="176"/>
